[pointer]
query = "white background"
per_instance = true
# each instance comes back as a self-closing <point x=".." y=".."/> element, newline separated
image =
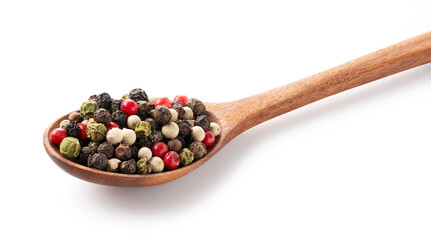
<point x="353" y="166"/>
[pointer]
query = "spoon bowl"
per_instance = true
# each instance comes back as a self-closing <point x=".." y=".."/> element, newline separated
<point x="238" y="116"/>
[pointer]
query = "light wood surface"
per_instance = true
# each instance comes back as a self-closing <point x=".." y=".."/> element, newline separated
<point x="238" y="116"/>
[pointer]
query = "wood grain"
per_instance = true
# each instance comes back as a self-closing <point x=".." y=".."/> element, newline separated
<point x="238" y="116"/>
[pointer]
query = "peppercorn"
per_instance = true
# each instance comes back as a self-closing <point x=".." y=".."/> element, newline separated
<point x="185" y="128"/>
<point x="84" y="154"/>
<point x="96" y="131"/>
<point x="144" y="142"/>
<point x="198" y="149"/>
<point x="70" y="147"/>
<point x="113" y="165"/>
<point x="93" y="145"/>
<point x="75" y="116"/>
<point x="103" y="116"/>
<point x="104" y="101"/>
<point x="156" y="136"/>
<point x="57" y="135"/>
<point x="153" y="124"/>
<point x="215" y="128"/>
<point x="188" y="114"/>
<point x="135" y="149"/>
<point x="123" y="152"/>
<point x="157" y="164"/>
<point x="182" y="141"/>
<point x="162" y="101"/>
<point x="174" y="114"/>
<point x="137" y="94"/>
<point x="170" y="130"/>
<point x="129" y="107"/>
<point x="128" y="166"/>
<point x="64" y="123"/>
<point x="177" y="102"/>
<point x="145" y="153"/>
<point x="129" y="136"/>
<point x="98" y="161"/>
<point x="203" y="121"/>
<point x="151" y="114"/>
<point x="107" y="149"/>
<point x="174" y="145"/>
<point x="162" y="115"/>
<point x="209" y="139"/>
<point x="132" y="120"/>
<point x="114" y="136"/>
<point x="171" y="160"/>
<point x="119" y="118"/>
<point x="180" y="110"/>
<point x="88" y="108"/>
<point x="72" y="129"/>
<point x="198" y="133"/>
<point x="197" y="106"/>
<point x="125" y="96"/>
<point x="115" y="105"/>
<point x="186" y="156"/>
<point x="144" y="108"/>
<point x="94" y="98"/>
<point x="143" y="166"/>
<point x="143" y="127"/>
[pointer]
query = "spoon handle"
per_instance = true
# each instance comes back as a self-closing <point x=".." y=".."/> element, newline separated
<point x="247" y="112"/>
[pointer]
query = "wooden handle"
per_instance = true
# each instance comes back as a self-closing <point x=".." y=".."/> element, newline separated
<point x="248" y="112"/>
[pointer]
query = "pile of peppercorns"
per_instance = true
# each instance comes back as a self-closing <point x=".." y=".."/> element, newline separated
<point x="136" y="134"/>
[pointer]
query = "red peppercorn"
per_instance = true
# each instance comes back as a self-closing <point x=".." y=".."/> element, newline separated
<point x="182" y="98"/>
<point x="162" y="101"/>
<point x="57" y="135"/>
<point x="82" y="134"/>
<point x="171" y="160"/>
<point x="112" y="125"/>
<point x="129" y="107"/>
<point x="209" y="138"/>
<point x="159" y="149"/>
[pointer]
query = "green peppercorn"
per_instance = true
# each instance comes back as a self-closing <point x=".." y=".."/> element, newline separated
<point x="96" y="131"/>
<point x="88" y="108"/>
<point x="186" y="156"/>
<point x="143" y="166"/>
<point x="143" y="127"/>
<point x="70" y="147"/>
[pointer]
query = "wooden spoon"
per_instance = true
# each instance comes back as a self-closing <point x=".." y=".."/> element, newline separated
<point x="237" y="116"/>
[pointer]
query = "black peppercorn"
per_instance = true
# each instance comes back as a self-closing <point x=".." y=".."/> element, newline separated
<point x="162" y="115"/>
<point x="175" y="145"/>
<point x="128" y="166"/>
<point x="185" y="128"/>
<point x="84" y="154"/>
<point x="116" y="104"/>
<point x="197" y="106"/>
<point x="182" y="140"/>
<point x="137" y="94"/>
<point x="177" y="102"/>
<point x="135" y="149"/>
<point x="156" y="136"/>
<point x="123" y="152"/>
<point x="104" y="101"/>
<point x="198" y="149"/>
<point x="203" y="121"/>
<point x="106" y="148"/>
<point x="179" y="108"/>
<point x="153" y="123"/>
<point x="144" y="109"/>
<point x="72" y="129"/>
<point x="98" y="161"/>
<point x="103" y="116"/>
<point x="144" y="142"/>
<point x="75" y="116"/>
<point x="94" y="98"/>
<point x="119" y="118"/>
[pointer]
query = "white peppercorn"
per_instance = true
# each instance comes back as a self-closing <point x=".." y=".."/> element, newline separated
<point x="198" y="133"/>
<point x="113" y="165"/>
<point x="157" y="164"/>
<point x="215" y="129"/>
<point x="152" y="99"/>
<point x="170" y="130"/>
<point x="174" y="114"/>
<point x="64" y="123"/>
<point x="132" y="120"/>
<point x="145" y="153"/>
<point x="114" y="136"/>
<point x="129" y="136"/>
<point x="188" y="113"/>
